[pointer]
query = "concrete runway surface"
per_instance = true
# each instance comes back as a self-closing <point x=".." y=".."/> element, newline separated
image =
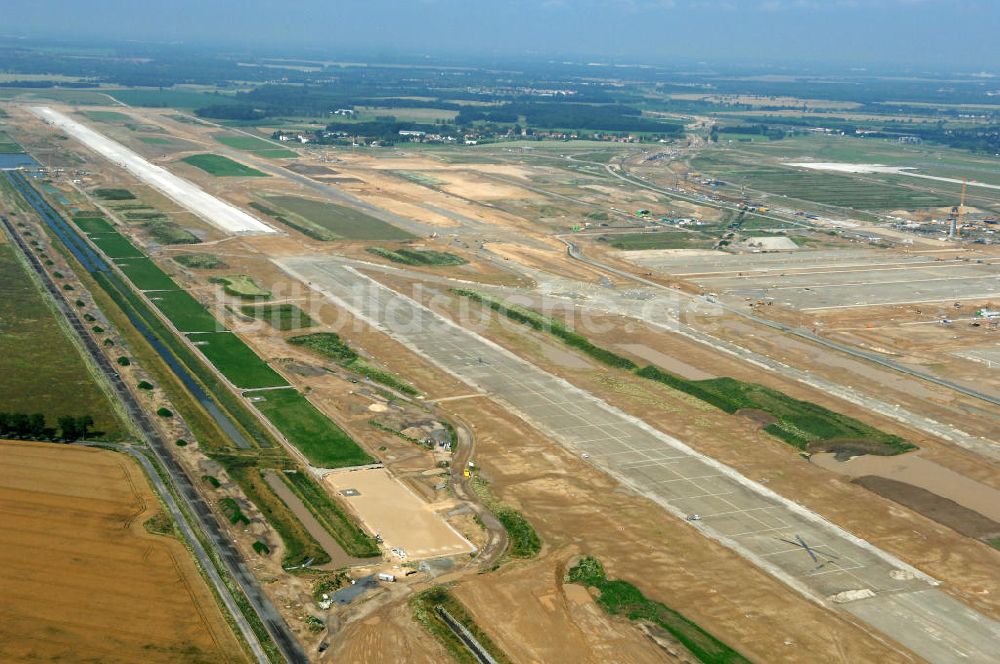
<point x="188" y="195"/>
<point x="847" y="572"/>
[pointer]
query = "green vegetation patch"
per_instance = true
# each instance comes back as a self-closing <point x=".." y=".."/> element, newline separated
<point x="170" y="98"/>
<point x="660" y="240"/>
<point x="522" y="539"/>
<point x="166" y="232"/>
<point x="233" y="512"/>
<point x="322" y="218"/>
<point x="417" y="256"/>
<point x="334" y="519"/>
<point x="332" y="347"/>
<point x="546" y="324"/>
<point x="7" y="144"/>
<point x="819" y="186"/>
<point x="621" y="598"/>
<point x="803" y="424"/>
<point x="160" y="523"/>
<point x="800" y="423"/>
<point x="155" y="140"/>
<point x="115" y="246"/>
<point x="242" y="286"/>
<point x="322" y="442"/>
<point x="236" y="361"/>
<point x="222" y="166"/>
<point x="280" y="316"/>
<point x="200" y="261"/>
<point x="301" y="548"/>
<point x="91" y="225"/>
<point x="108" y="194"/>
<point x="42" y="371"/>
<point x="256" y="145"/>
<point x="146" y="275"/>
<point x="425" y="611"/>
<point x="107" y="116"/>
<point x="185" y="312"/>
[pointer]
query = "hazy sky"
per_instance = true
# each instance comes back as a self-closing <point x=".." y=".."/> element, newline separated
<point x="943" y="33"/>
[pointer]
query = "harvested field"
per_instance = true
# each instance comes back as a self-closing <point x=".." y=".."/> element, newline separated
<point x="83" y="580"/>
<point x="944" y="511"/>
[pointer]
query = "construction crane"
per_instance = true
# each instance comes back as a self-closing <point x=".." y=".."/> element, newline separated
<point x="957" y="213"/>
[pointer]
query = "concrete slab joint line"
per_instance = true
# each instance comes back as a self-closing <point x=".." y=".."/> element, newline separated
<point x="737" y="512"/>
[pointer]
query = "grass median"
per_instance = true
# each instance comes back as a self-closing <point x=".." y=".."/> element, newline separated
<point x="802" y="424"/>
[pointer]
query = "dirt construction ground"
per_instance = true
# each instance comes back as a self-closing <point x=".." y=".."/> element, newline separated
<point x="82" y="580"/>
<point x="404" y="521"/>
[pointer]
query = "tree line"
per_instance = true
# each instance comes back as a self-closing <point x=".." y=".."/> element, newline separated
<point x="34" y="425"/>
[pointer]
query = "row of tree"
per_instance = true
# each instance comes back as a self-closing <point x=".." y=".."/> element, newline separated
<point x="24" y="425"/>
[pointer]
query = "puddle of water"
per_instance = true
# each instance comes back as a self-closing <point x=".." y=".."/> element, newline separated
<point x="920" y="472"/>
<point x="16" y="160"/>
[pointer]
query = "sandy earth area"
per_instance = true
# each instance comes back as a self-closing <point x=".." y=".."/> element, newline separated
<point x="81" y="578"/>
<point x="386" y="507"/>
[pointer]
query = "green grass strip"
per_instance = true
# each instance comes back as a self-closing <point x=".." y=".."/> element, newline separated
<point x="545" y="324"/>
<point x="417" y="256"/>
<point x="621" y="598"/>
<point x="424" y="604"/>
<point x="351" y="537"/>
<point x="331" y="346"/>
<point x="799" y="423"/>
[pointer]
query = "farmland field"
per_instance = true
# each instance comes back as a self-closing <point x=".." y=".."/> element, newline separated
<point x="94" y="225"/>
<point x="145" y="275"/>
<point x="222" y="166"/>
<point x="342" y="221"/>
<point x="115" y="246"/>
<point x="256" y="145"/>
<point x="41" y="370"/>
<point x="319" y="439"/>
<point x="236" y="361"/>
<point x="186" y="313"/>
<point x="83" y="581"/>
<point x="7" y="144"/>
